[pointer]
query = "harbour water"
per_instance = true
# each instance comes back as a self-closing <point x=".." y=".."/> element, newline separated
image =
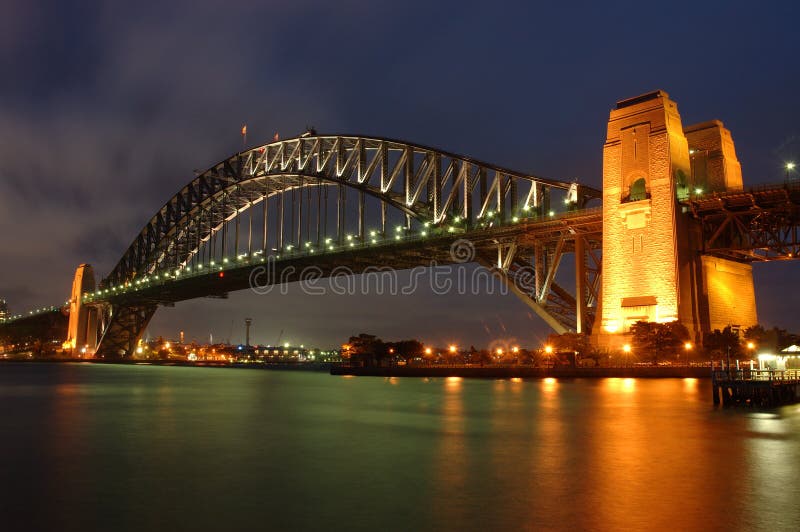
<point x="107" y="447"/>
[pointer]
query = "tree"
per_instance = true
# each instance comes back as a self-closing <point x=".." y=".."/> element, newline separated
<point x="367" y="349"/>
<point x="658" y="340"/>
<point x="719" y="344"/>
<point x="573" y="342"/>
<point x="482" y="357"/>
<point x="756" y="334"/>
<point x="406" y="349"/>
<point x="567" y="347"/>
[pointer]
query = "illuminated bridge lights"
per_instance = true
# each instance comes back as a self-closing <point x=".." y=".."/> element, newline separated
<point x="373" y="238"/>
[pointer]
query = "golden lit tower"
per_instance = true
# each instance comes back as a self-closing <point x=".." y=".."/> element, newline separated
<point x="82" y="329"/>
<point x="726" y="295"/>
<point x="652" y="266"/>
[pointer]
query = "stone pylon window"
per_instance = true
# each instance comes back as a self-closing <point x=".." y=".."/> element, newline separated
<point x="638" y="190"/>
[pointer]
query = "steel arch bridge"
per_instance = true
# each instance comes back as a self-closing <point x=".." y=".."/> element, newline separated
<point x="426" y="186"/>
<point x="333" y="201"/>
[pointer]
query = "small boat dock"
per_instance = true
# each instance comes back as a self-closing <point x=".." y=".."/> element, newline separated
<point x="765" y="388"/>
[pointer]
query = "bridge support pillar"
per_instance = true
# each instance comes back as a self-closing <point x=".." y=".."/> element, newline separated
<point x="82" y="328"/>
<point x="580" y="286"/>
<point x="651" y="245"/>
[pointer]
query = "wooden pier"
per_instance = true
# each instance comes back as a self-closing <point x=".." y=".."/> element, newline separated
<point x="755" y="388"/>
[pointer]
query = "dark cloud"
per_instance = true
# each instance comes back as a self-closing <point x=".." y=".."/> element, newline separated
<point x="106" y="108"/>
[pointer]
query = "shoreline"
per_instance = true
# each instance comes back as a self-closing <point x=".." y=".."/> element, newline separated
<point x="285" y="366"/>
<point x="527" y="372"/>
<point x="470" y="372"/>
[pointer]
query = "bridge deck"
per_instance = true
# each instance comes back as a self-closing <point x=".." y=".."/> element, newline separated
<point x="408" y="252"/>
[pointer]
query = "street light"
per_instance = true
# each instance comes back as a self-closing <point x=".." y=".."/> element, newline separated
<point x="687" y="347"/>
<point x="626" y="348"/>
<point x="548" y="349"/>
<point x="750" y="350"/>
<point x="453" y="349"/>
<point x="789" y="167"/>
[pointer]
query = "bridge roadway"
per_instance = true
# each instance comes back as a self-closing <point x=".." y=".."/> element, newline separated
<point x="753" y="224"/>
<point x="437" y="247"/>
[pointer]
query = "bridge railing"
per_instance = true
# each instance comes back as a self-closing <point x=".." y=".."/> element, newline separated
<point x="790" y="185"/>
<point x="746" y="374"/>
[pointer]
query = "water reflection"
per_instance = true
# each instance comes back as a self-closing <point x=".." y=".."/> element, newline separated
<point x="549" y="385"/>
<point x="774" y="466"/>
<point x="199" y="449"/>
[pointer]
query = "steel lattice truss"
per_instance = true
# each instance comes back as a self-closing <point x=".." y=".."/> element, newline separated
<point x="423" y="184"/>
<point x="125" y="324"/>
<point x="529" y="262"/>
<point x="759" y="224"/>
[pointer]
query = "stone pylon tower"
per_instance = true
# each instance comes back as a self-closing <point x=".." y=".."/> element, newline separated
<point x="653" y="269"/>
<point x="82" y="329"/>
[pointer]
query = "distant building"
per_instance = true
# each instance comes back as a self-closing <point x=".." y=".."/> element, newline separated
<point x="3" y="309"/>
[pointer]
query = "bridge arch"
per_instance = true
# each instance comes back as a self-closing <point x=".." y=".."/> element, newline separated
<point x="424" y="185"/>
<point x="421" y="191"/>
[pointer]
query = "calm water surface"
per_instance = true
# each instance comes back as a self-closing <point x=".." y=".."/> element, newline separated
<point x="97" y="447"/>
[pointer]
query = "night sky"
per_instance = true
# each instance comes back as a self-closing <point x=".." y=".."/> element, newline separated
<point x="107" y="108"/>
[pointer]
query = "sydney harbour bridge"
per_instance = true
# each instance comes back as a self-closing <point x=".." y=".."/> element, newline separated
<point x="327" y="203"/>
